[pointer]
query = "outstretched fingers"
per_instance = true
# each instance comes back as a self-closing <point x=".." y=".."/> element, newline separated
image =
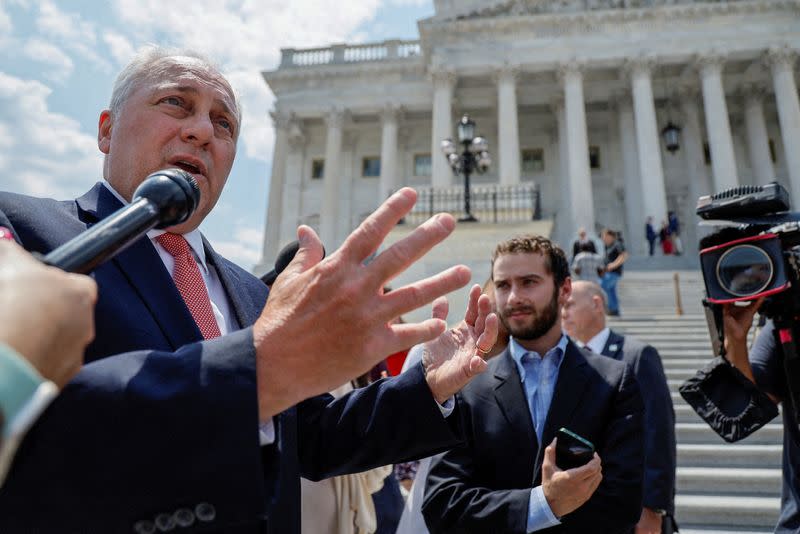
<point x="488" y="337"/>
<point x="471" y="314"/>
<point x="406" y="335"/>
<point x="396" y="259"/>
<point x="420" y="293"/>
<point x="441" y="308"/>
<point x="369" y="235"/>
<point x="310" y="252"/>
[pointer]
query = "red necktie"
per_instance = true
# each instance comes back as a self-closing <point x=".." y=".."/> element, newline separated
<point x="190" y="283"/>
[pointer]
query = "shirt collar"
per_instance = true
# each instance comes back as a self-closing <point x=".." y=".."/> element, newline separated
<point x="598" y="342"/>
<point x="517" y="351"/>
<point x="194" y="238"/>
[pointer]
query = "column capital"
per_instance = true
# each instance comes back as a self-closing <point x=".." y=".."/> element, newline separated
<point x="336" y="117"/>
<point x="506" y="73"/>
<point x="709" y="63"/>
<point x="391" y="113"/>
<point x="443" y="77"/>
<point x="281" y="119"/>
<point x="780" y="56"/>
<point x="297" y="138"/>
<point x="621" y="98"/>
<point x="570" y="69"/>
<point x="639" y="66"/>
<point x="687" y="91"/>
<point x="752" y="92"/>
<point x="556" y="104"/>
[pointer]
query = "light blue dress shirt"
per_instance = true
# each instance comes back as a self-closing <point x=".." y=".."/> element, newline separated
<point x="539" y="375"/>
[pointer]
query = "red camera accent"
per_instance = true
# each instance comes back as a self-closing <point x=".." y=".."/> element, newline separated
<point x="762" y="237"/>
<point x="773" y="291"/>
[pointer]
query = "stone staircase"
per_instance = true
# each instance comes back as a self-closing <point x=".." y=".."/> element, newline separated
<point x="721" y="488"/>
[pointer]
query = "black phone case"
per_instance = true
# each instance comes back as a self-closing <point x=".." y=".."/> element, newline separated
<point x="572" y="450"/>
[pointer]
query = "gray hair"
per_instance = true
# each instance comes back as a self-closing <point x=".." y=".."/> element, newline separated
<point x="154" y="62"/>
<point x="593" y="289"/>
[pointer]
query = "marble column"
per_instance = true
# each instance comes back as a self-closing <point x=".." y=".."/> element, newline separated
<point x="272" y="228"/>
<point x="329" y="214"/>
<point x="718" y="126"/>
<point x="757" y="137"/>
<point x="580" y="178"/>
<point x="390" y="117"/>
<point x="442" y="126"/>
<point x="781" y="60"/>
<point x="648" y="142"/>
<point x="349" y="169"/>
<point x="564" y="217"/>
<point x="507" y="126"/>
<point x="293" y="190"/>
<point x="692" y="148"/>
<point x="692" y="143"/>
<point x="634" y="213"/>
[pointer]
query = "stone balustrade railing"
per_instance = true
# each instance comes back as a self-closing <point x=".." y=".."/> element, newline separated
<point x="342" y="54"/>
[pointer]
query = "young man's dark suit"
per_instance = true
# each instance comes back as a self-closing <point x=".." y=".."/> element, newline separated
<point x="172" y="427"/>
<point x="484" y="486"/>
<point x="659" y="428"/>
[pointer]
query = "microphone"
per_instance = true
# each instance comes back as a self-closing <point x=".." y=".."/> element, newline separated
<point x="285" y="257"/>
<point x="165" y="198"/>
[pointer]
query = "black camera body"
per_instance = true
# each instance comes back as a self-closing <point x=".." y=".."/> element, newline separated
<point x="755" y="251"/>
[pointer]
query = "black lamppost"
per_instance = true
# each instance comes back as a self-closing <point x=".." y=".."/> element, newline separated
<point x="671" y="135"/>
<point x="474" y="158"/>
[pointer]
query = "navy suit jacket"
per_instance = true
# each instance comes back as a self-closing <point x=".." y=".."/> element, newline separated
<point x="659" y="427"/>
<point x="162" y="422"/>
<point x="485" y="484"/>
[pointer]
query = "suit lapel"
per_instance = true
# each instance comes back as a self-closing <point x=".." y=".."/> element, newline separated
<point x="245" y="308"/>
<point x="614" y="345"/>
<point x="510" y="395"/>
<point x="142" y="267"/>
<point x="570" y="386"/>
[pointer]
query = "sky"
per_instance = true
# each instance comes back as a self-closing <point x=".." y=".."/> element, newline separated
<point x="58" y="61"/>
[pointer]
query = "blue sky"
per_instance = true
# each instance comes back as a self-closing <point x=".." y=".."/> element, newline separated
<point x="58" y="60"/>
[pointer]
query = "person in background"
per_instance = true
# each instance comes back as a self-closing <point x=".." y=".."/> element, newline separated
<point x="651" y="235"/>
<point x="675" y="233"/>
<point x="666" y="239"/>
<point x="588" y="265"/>
<point x="614" y="259"/>
<point x="584" y="320"/>
<point x="46" y="321"/>
<point x="582" y="243"/>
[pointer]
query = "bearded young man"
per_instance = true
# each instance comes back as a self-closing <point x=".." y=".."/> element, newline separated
<point x="504" y="479"/>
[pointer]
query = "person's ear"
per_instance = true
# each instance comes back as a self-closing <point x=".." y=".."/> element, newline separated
<point x="104" y="127"/>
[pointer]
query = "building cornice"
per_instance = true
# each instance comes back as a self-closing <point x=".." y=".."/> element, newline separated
<point x="556" y="24"/>
<point x="348" y="70"/>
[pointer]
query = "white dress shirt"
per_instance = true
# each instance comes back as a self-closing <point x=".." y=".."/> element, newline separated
<point x="598" y="342"/>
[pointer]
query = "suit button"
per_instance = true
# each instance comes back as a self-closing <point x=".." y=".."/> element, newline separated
<point x="165" y="522"/>
<point x="144" y="527"/>
<point x="205" y="512"/>
<point x="184" y="517"/>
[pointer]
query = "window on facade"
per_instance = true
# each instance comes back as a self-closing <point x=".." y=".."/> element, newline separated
<point x="772" y="151"/>
<point x="707" y="153"/>
<point x="371" y="166"/>
<point x="594" y="157"/>
<point x="317" y="169"/>
<point x="422" y="164"/>
<point x="533" y="160"/>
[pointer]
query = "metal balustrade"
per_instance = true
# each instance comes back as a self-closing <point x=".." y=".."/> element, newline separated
<point x="489" y="203"/>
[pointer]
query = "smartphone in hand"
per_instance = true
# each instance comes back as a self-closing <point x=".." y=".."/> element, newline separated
<point x="572" y="450"/>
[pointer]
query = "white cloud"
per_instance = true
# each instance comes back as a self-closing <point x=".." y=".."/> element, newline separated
<point x="71" y="31"/>
<point x="120" y="47"/>
<point x="47" y="154"/>
<point x="245" y="36"/>
<point x="418" y="3"/>
<point x="60" y="65"/>
<point x="245" y="247"/>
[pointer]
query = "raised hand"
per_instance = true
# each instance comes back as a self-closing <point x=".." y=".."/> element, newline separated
<point x="327" y="320"/>
<point x="456" y="356"/>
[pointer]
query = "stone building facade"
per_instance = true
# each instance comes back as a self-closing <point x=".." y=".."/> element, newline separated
<point x="572" y="95"/>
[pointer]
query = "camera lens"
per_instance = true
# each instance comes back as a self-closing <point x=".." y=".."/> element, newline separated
<point x="744" y="270"/>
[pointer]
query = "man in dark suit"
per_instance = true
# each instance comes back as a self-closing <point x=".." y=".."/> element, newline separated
<point x="504" y="479"/>
<point x="583" y="317"/>
<point x="209" y="422"/>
